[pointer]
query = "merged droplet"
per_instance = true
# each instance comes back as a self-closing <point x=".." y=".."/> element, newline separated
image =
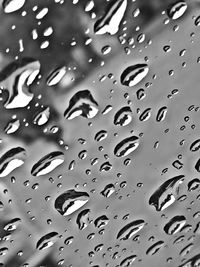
<point x="175" y="224"/>
<point x="123" y="116"/>
<point x="10" y="6"/>
<point x="130" y="229"/>
<point x="177" y="9"/>
<point x="11" y="160"/>
<point x="70" y="201"/>
<point x="48" y="163"/>
<point x="126" y="146"/>
<point x="82" y="104"/>
<point x="16" y="77"/>
<point x="166" y="194"/>
<point x="83" y="219"/>
<point x="56" y="76"/>
<point x="47" y="241"/>
<point x="134" y="74"/>
<point x="110" y="22"/>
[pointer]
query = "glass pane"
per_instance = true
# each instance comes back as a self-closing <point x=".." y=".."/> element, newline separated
<point x="99" y="144"/>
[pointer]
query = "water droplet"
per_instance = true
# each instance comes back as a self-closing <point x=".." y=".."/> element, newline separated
<point x="16" y="77"/>
<point x="47" y="241"/>
<point x="153" y="249"/>
<point x="123" y="116"/>
<point x="10" y="6"/>
<point x="166" y="194"/>
<point x="70" y="201"/>
<point x="56" y="76"/>
<point x="175" y="224"/>
<point x="134" y="74"/>
<point x="130" y="229"/>
<point x="110" y="22"/>
<point x="83" y="219"/>
<point x="126" y="146"/>
<point x="161" y="114"/>
<point x="48" y="163"/>
<point x="11" y="160"/>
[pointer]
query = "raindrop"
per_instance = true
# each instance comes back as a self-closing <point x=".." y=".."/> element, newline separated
<point x="175" y="224"/>
<point x="48" y="163"/>
<point x="81" y="104"/>
<point x="70" y="201"/>
<point x="166" y="194"/>
<point x="161" y="114"/>
<point x="126" y="146"/>
<point x="16" y="77"/>
<point x="123" y="116"/>
<point x="130" y="229"/>
<point x="56" y="76"/>
<point x="134" y="74"/>
<point x="11" y="160"/>
<point x="153" y="249"/>
<point x="47" y="241"/>
<point x="83" y="219"/>
<point x="110" y="22"/>
<point x="177" y="9"/>
<point x="10" y="6"/>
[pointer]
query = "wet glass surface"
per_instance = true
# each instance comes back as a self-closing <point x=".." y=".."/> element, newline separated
<point x="99" y="136"/>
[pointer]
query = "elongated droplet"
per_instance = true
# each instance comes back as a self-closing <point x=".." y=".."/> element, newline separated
<point x="134" y="74"/>
<point x="166" y="194"/>
<point x="42" y="116"/>
<point x="11" y="160"/>
<point x="155" y="248"/>
<point x="56" y="76"/>
<point x="145" y="115"/>
<point x="110" y="22"/>
<point x="126" y="146"/>
<point x="10" y="6"/>
<point x="161" y="114"/>
<point x="128" y="261"/>
<point x="195" y="146"/>
<point x="48" y="163"/>
<point x="193" y="184"/>
<point x="130" y="229"/>
<point x="47" y="241"/>
<point x="70" y="201"/>
<point x="175" y="224"/>
<point x="12" y="225"/>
